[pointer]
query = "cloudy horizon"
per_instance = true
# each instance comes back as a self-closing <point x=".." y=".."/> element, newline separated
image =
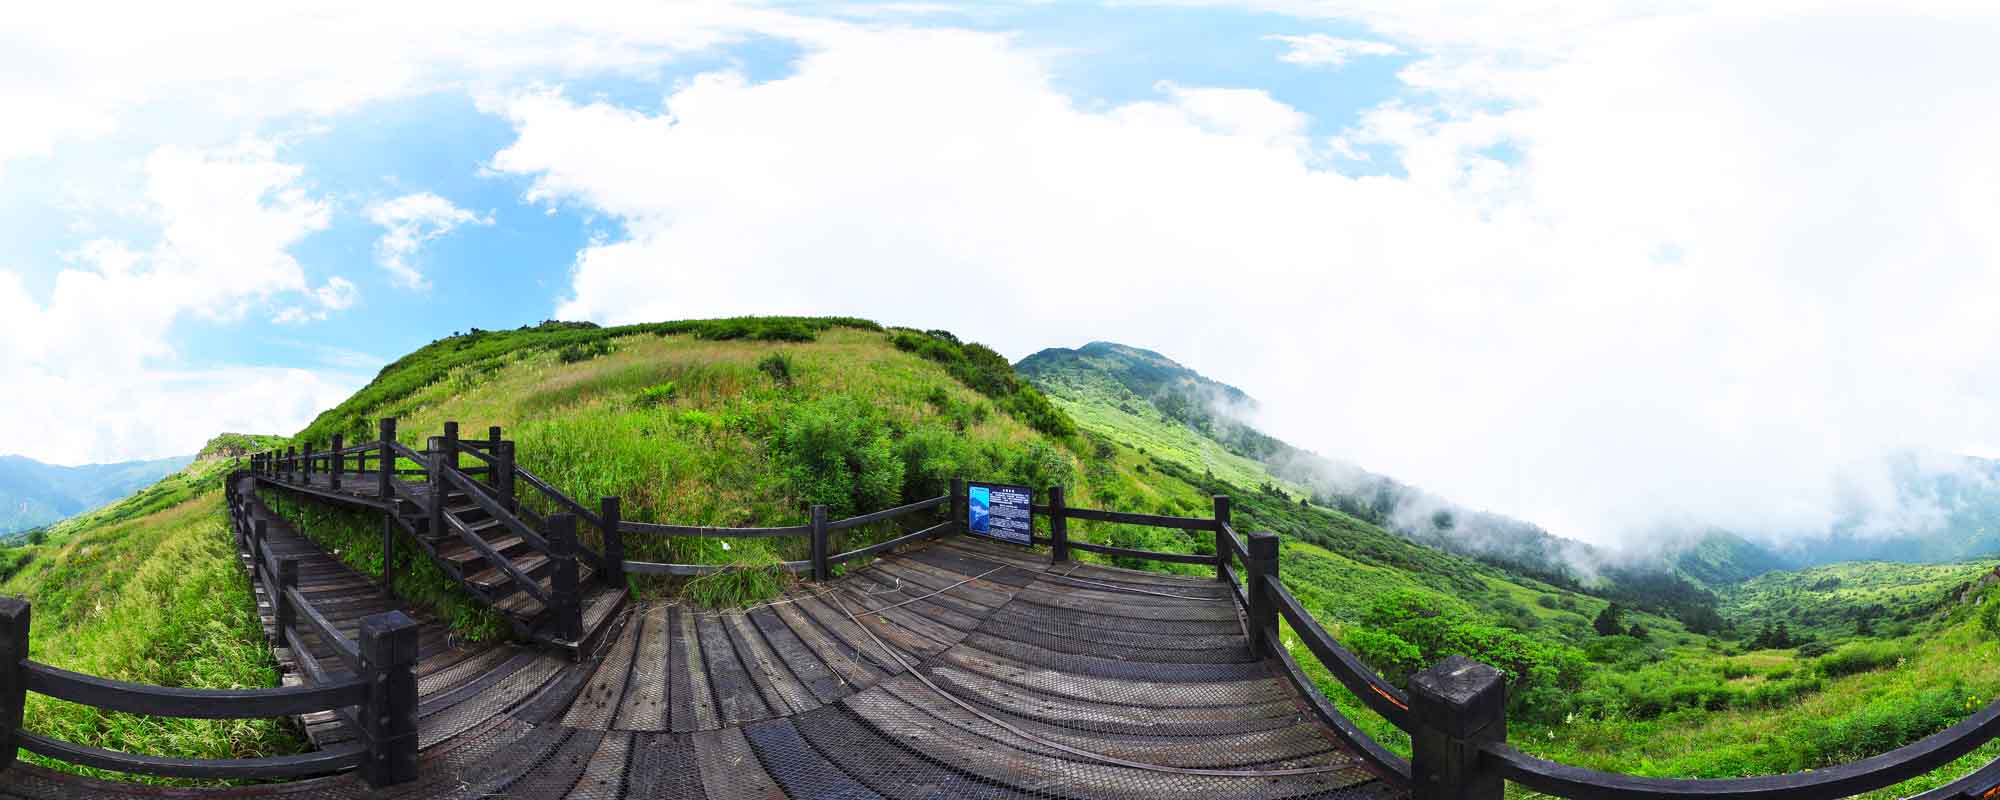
<point x="1600" y="267"/>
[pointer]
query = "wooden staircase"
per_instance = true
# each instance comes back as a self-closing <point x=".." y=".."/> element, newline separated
<point x="526" y="567"/>
<point x="501" y="588"/>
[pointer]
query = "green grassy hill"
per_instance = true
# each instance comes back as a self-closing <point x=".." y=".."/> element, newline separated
<point x="751" y="421"/>
<point x="34" y="494"/>
<point x="148" y="590"/>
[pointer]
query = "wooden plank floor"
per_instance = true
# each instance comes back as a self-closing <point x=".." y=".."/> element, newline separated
<point x="810" y="696"/>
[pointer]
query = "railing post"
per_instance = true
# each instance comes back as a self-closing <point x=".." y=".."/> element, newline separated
<point x="281" y="602"/>
<point x="565" y="596"/>
<point x="822" y="570"/>
<point x="387" y="493"/>
<point x="613" y="514"/>
<point x="291" y="462"/>
<point x="339" y="461"/>
<point x="437" y="483"/>
<point x="958" y="502"/>
<point x="451" y="445"/>
<point x="493" y="460"/>
<point x="1457" y="705"/>
<point x="1262" y="569"/>
<point x="389" y="720"/>
<point x="257" y="547"/>
<point x="1058" y="526"/>
<point x="503" y="473"/>
<point x="1222" y="544"/>
<point x="306" y="462"/>
<point x="15" y="615"/>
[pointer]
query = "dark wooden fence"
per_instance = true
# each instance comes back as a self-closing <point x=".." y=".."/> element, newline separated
<point x="376" y="691"/>
<point x="1455" y="711"/>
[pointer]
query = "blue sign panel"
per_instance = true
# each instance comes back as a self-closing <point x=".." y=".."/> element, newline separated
<point x="998" y="511"/>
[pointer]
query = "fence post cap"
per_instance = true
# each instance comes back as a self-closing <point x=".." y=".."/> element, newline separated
<point x="1459" y="696"/>
<point x="12" y="608"/>
<point x="386" y="623"/>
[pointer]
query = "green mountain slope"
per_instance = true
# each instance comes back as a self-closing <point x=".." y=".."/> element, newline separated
<point x="148" y="589"/>
<point x="34" y="494"/>
<point x="750" y="421"/>
<point x="1176" y="414"/>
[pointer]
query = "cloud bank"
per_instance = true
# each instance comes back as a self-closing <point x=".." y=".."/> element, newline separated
<point x="1630" y="271"/>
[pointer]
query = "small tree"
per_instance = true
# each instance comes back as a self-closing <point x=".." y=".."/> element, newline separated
<point x="1639" y="632"/>
<point x="1607" y="621"/>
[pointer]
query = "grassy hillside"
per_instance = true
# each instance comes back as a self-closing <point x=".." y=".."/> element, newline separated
<point x="751" y="421"/>
<point x="33" y="494"/>
<point x="148" y="590"/>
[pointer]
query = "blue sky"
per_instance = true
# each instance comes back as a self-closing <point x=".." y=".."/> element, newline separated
<point x="1499" y="254"/>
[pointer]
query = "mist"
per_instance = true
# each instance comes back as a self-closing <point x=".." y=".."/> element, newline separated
<point x="1587" y="290"/>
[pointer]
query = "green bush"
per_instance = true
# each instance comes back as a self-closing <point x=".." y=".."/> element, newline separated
<point x="778" y="366"/>
<point x="1862" y="657"/>
<point x="838" y="451"/>
<point x="989" y="373"/>
<point x="655" y="395"/>
<point x="584" y="351"/>
<point x="1538" y="673"/>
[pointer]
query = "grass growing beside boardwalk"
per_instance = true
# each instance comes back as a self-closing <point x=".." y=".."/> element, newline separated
<point x="355" y="537"/>
<point x="149" y="591"/>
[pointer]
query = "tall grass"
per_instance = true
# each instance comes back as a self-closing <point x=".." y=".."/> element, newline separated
<point x="150" y="591"/>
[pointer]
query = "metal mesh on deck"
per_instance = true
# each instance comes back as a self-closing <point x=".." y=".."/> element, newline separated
<point x="1021" y="683"/>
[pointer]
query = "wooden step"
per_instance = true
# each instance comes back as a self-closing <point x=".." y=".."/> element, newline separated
<point x="524" y="605"/>
<point x="466" y="557"/>
<point x="494" y="578"/>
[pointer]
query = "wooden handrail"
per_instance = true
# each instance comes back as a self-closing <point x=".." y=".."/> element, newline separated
<point x="163" y="701"/>
<point x="1379" y="695"/>
<point x="889" y="544"/>
<point x="697" y="570"/>
<point x="1149" y="520"/>
<point x="332" y="759"/>
<point x="888" y="513"/>
<point x="1843" y="780"/>
<point x="719" y="533"/>
<point x="347" y="649"/>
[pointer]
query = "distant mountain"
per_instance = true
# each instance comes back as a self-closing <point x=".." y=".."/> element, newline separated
<point x="1148" y="400"/>
<point x="1121" y="379"/>
<point x="33" y="494"/>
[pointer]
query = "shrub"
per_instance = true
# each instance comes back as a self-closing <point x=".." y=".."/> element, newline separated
<point x="1536" y="670"/>
<point x="584" y="351"/>
<point x="778" y="366"/>
<point x="655" y="395"/>
<point x="1814" y="649"/>
<point x="1040" y="465"/>
<point x="989" y="373"/>
<point x="1861" y="657"/>
<point x="837" y="451"/>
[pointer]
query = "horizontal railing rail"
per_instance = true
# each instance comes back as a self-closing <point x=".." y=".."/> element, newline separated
<point x="161" y="701"/>
<point x="713" y="532"/>
<point x="373" y="678"/>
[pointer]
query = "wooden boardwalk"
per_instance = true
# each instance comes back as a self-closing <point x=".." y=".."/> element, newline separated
<point x="958" y="669"/>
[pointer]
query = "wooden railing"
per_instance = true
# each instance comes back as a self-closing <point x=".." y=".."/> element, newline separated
<point x="491" y="486"/>
<point x="1456" y="711"/>
<point x="381" y="684"/>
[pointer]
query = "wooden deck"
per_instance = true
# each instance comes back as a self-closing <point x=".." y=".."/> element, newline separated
<point x="959" y="669"/>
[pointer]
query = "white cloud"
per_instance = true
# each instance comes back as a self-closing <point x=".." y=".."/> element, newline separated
<point x="410" y="221"/>
<point x="337" y="295"/>
<point x="1321" y="50"/>
<point x="95" y="352"/>
<point x="1726" y="267"/>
